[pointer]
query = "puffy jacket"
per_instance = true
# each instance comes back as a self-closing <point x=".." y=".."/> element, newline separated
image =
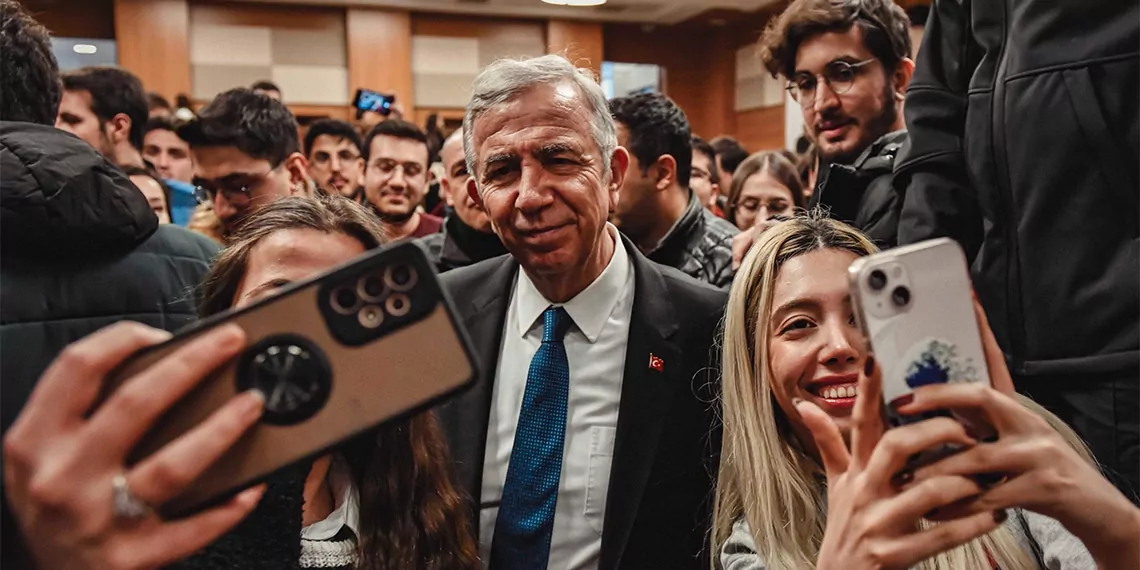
<point x="861" y="193"/>
<point x="699" y="244"/>
<point x="1024" y="136"/>
<point x="81" y="249"/>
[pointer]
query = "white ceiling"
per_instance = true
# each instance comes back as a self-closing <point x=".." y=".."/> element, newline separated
<point x="643" y="11"/>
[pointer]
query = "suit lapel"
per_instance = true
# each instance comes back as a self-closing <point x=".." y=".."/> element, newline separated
<point x="646" y="395"/>
<point x="466" y="416"/>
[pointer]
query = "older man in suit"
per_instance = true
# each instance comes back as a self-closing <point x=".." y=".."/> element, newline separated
<point x="590" y="439"/>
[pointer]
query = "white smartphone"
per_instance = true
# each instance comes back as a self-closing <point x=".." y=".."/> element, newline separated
<point x="915" y="307"/>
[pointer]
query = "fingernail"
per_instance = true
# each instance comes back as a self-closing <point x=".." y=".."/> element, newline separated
<point x="902" y="400"/>
<point x="797" y="401"/>
<point x="869" y="365"/>
<point x="251" y="496"/>
<point x="256" y="402"/>
<point x="1000" y="515"/>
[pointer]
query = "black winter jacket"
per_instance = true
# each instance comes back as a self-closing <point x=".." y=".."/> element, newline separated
<point x="1025" y="137"/>
<point x="699" y="245"/>
<point x="81" y="249"/>
<point x="861" y="193"/>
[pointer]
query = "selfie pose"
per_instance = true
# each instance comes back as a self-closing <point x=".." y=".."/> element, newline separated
<point x="810" y="477"/>
<point x="383" y="500"/>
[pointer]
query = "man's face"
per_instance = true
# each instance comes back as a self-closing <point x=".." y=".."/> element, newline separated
<point x="169" y="154"/>
<point x="396" y="177"/>
<point x="843" y="125"/>
<point x="76" y="117"/>
<point x="237" y="183"/>
<point x="335" y="165"/>
<point x="638" y="190"/>
<point x="454" y="186"/>
<point x="542" y="179"/>
<point x="701" y="181"/>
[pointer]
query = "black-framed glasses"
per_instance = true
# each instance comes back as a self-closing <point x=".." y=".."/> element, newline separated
<point x="237" y="188"/>
<point x="839" y="75"/>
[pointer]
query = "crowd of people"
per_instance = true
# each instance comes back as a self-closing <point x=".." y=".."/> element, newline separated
<point x="655" y="314"/>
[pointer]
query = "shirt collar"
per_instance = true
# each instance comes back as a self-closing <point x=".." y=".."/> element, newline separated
<point x="347" y="509"/>
<point x="589" y="309"/>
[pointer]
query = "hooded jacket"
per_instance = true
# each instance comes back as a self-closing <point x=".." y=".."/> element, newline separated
<point x="861" y="194"/>
<point x="80" y="249"/>
<point x="1024" y="137"/>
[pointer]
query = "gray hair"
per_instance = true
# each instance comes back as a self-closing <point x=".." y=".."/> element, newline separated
<point x="506" y="79"/>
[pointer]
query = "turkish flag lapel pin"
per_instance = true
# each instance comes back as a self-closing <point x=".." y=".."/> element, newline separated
<point x="656" y="363"/>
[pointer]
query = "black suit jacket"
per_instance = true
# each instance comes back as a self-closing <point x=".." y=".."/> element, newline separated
<point x="659" y="502"/>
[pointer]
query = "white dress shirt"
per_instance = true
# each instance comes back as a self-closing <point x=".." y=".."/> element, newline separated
<point x="595" y="350"/>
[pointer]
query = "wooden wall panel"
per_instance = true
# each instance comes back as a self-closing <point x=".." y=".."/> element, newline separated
<point x="380" y="52"/>
<point x="267" y="15"/>
<point x="153" y="43"/>
<point x="761" y="129"/>
<point x="581" y="42"/>
<point x="430" y="24"/>
<point x="75" y="18"/>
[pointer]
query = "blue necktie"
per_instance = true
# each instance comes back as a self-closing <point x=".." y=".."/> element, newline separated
<point x="530" y="492"/>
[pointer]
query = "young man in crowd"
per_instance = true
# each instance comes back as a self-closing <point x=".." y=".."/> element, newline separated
<point x="107" y="107"/>
<point x="335" y="161"/>
<point x="467" y="236"/>
<point x="656" y="208"/>
<point x="1031" y="167"/>
<point x="81" y="247"/>
<point x="164" y="149"/>
<point x="395" y="178"/>
<point x="729" y="154"/>
<point x="246" y="154"/>
<point x="267" y="88"/>
<point x="705" y="178"/>
<point x="607" y="460"/>
<point x="848" y="66"/>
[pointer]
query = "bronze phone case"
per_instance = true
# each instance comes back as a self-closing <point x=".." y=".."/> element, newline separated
<point x="335" y="355"/>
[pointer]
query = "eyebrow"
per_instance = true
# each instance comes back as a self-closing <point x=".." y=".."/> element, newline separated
<point x="843" y="58"/>
<point x="267" y="286"/>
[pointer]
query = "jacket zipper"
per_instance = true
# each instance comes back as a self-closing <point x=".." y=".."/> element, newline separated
<point x="1014" y="312"/>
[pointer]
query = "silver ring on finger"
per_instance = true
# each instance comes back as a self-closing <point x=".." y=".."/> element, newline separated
<point x="124" y="503"/>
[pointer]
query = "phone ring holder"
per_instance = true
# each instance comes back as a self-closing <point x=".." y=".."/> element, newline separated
<point x="292" y="372"/>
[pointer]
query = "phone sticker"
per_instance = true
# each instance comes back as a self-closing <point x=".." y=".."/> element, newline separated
<point x="936" y="361"/>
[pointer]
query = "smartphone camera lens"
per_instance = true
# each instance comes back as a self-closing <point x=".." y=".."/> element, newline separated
<point x="877" y="280"/>
<point x="398" y="304"/>
<point x="344" y="300"/>
<point x="900" y="296"/>
<point x="400" y="277"/>
<point x="370" y="317"/>
<point x="372" y="287"/>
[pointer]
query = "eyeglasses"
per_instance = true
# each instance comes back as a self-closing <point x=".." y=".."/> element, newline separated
<point x="839" y="75"/>
<point x="236" y="189"/>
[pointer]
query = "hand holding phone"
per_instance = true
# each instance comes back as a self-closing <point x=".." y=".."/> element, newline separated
<point x="367" y="100"/>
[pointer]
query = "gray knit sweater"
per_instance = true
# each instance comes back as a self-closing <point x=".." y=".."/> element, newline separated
<point x="1044" y="538"/>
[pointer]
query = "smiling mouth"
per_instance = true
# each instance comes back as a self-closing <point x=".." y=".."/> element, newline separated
<point x="836" y="391"/>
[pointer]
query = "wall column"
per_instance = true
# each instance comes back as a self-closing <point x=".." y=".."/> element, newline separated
<point x="380" y="53"/>
<point x="579" y="41"/>
<point x="154" y="43"/>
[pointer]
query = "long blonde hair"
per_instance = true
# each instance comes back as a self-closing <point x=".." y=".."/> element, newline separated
<point x="765" y="476"/>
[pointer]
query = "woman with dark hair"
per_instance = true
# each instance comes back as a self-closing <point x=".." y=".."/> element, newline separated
<point x="385" y="499"/>
<point x="156" y="191"/>
<point x="765" y="185"/>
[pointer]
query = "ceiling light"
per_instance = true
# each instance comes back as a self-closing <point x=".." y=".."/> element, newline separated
<point x="84" y="49"/>
<point x="575" y="2"/>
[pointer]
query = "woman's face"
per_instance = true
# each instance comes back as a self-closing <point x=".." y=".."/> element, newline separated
<point x="291" y="255"/>
<point x="814" y="347"/>
<point x="761" y="197"/>
<point x="154" y="196"/>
